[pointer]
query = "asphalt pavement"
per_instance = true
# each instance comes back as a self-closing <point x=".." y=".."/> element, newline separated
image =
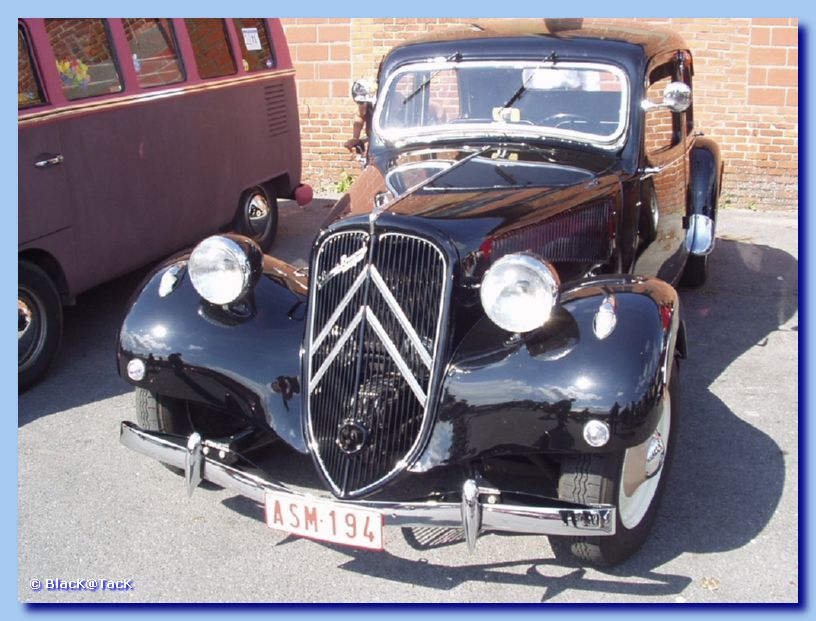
<point x="727" y="530"/>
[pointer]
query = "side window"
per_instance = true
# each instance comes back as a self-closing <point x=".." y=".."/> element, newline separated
<point x="85" y="61"/>
<point x="154" y="51"/>
<point x="256" y="53"/>
<point x="211" y="47"/>
<point x="29" y="92"/>
<point x="663" y="127"/>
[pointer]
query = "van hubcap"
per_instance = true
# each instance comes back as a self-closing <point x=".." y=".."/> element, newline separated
<point x="258" y="214"/>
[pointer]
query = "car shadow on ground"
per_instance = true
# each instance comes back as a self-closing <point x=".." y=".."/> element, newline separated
<point x="727" y="477"/>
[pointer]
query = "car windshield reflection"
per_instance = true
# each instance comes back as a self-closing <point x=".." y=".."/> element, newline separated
<point x="580" y="101"/>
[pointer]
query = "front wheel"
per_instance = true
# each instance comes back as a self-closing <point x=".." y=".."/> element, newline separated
<point x="632" y="480"/>
<point x="39" y="323"/>
<point x="258" y="217"/>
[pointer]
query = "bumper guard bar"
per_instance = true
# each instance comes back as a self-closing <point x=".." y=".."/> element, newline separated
<point x="471" y="514"/>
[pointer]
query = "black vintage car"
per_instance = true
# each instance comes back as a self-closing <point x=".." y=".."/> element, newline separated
<point x="488" y="335"/>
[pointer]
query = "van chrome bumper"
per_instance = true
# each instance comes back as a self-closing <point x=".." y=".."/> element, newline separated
<point x="472" y="514"/>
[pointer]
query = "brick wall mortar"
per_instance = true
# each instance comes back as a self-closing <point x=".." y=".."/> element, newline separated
<point x="745" y="93"/>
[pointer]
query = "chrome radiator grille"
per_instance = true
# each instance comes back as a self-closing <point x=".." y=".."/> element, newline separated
<point x="376" y="310"/>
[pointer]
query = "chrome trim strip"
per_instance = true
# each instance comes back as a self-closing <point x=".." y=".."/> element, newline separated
<point x="395" y="355"/>
<point x="337" y="347"/>
<point x="358" y="282"/>
<point x="575" y="520"/>
<point x="403" y="320"/>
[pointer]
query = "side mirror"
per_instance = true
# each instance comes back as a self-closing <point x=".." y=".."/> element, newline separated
<point x="361" y="92"/>
<point x="676" y="97"/>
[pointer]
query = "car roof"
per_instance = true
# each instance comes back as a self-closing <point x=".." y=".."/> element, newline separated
<point x="567" y="32"/>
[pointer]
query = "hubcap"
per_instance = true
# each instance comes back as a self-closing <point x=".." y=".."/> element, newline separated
<point x="30" y="329"/>
<point x="642" y="469"/>
<point x="258" y="214"/>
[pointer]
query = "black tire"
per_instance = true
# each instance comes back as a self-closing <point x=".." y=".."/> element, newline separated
<point x="257" y="217"/>
<point x="596" y="479"/>
<point x="39" y="323"/>
<point x="695" y="272"/>
<point x="163" y="414"/>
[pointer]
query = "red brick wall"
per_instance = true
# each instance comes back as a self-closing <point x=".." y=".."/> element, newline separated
<point x="745" y="94"/>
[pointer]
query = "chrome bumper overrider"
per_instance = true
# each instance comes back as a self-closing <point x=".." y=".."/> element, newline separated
<point x="471" y="514"/>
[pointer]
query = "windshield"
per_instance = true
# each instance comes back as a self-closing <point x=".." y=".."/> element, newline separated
<point x="587" y="102"/>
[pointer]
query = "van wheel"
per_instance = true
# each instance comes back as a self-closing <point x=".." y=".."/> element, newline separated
<point x="39" y="323"/>
<point x="633" y="480"/>
<point x="258" y="217"/>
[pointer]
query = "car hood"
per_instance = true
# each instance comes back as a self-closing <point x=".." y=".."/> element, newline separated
<point x="474" y="196"/>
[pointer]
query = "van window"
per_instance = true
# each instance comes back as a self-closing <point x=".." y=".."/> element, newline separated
<point x="211" y="47"/>
<point x="154" y="51"/>
<point x="85" y="62"/>
<point x="29" y="92"/>
<point x="256" y="52"/>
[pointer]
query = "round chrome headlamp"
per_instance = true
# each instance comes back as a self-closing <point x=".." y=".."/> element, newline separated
<point x="220" y="270"/>
<point x="519" y="292"/>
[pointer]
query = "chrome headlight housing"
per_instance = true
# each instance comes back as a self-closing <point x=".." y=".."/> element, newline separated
<point x="519" y="292"/>
<point x="220" y="270"/>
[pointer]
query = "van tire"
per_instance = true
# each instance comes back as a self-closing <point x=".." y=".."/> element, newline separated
<point x="39" y="323"/>
<point x="257" y="216"/>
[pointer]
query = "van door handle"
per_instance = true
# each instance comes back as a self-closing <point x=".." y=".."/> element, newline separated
<point x="49" y="160"/>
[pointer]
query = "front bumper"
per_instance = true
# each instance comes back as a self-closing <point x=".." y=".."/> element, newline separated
<point x="477" y="511"/>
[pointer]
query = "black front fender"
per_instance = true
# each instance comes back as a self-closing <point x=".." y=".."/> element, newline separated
<point x="506" y="394"/>
<point x="247" y="357"/>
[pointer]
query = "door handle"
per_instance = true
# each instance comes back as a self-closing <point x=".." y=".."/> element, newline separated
<point x="650" y="171"/>
<point x="49" y="160"/>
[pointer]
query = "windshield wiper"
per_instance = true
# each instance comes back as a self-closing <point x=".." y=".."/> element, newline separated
<point x="552" y="58"/>
<point x="455" y="57"/>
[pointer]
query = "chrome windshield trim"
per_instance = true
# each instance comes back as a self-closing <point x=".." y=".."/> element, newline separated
<point x="433" y="133"/>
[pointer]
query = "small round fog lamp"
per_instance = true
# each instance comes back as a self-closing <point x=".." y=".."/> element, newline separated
<point x="136" y="370"/>
<point x="596" y="433"/>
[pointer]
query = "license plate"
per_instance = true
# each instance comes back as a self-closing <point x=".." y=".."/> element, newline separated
<point x="325" y="520"/>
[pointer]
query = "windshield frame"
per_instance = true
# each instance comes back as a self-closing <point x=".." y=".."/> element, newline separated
<point x="399" y="137"/>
